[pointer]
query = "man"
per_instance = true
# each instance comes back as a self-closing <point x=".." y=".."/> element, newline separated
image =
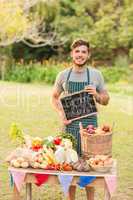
<point x="78" y="77"/>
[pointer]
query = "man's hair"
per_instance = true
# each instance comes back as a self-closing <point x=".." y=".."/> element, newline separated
<point x="80" y="42"/>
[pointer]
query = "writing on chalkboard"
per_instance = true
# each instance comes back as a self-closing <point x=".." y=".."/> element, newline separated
<point x="78" y="105"/>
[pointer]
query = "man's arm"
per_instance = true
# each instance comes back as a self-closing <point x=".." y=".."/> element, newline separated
<point x="101" y="97"/>
<point x="58" y="107"/>
<point x="56" y="101"/>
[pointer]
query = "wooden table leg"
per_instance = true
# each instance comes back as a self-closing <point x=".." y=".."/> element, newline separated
<point x="72" y="192"/>
<point x="90" y="193"/>
<point x="16" y="194"/>
<point x="28" y="191"/>
<point x="106" y="194"/>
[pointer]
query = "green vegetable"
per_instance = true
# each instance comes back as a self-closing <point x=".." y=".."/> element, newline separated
<point x="49" y="144"/>
<point x="16" y="134"/>
<point x="70" y="137"/>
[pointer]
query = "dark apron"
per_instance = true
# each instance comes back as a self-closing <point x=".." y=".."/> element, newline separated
<point x="73" y="128"/>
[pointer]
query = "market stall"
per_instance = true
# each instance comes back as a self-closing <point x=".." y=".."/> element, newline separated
<point x="53" y="160"/>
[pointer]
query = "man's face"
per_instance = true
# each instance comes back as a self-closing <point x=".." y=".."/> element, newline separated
<point x="80" y="55"/>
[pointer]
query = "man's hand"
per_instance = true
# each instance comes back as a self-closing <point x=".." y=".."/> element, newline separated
<point x="91" y="90"/>
<point x="102" y="97"/>
<point x="63" y="119"/>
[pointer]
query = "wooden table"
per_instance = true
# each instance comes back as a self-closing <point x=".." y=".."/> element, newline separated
<point x="53" y="179"/>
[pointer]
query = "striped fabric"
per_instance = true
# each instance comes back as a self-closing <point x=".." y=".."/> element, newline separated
<point x="73" y="128"/>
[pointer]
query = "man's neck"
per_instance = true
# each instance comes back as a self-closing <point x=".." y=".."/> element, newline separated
<point x="79" y="69"/>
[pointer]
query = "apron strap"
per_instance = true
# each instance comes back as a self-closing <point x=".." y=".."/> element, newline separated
<point x="69" y="73"/>
<point x="88" y="76"/>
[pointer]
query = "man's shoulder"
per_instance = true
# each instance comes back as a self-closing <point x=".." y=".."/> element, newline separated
<point x="64" y="72"/>
<point x="94" y="70"/>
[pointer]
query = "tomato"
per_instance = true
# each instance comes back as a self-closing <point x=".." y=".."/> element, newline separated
<point x="57" y="141"/>
<point x="36" y="148"/>
<point x="58" y="167"/>
<point x="67" y="167"/>
<point x="51" y="167"/>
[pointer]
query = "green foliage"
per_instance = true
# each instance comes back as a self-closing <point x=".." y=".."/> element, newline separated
<point x="47" y="72"/>
<point x="50" y="74"/>
<point x="131" y="55"/>
<point x="19" y="74"/>
<point x="16" y="134"/>
<point x="70" y="137"/>
<point x="125" y="29"/>
<point x="108" y="25"/>
<point x="33" y="73"/>
<point x="115" y="74"/>
<point x="121" y="61"/>
<point x="49" y="144"/>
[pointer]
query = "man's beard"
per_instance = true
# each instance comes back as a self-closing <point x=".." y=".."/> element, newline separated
<point x="81" y="65"/>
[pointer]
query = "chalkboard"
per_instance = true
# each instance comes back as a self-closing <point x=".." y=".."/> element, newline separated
<point x="78" y="105"/>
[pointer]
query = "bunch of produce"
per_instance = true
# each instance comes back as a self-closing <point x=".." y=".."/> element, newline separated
<point x="65" y="153"/>
<point x="81" y="166"/>
<point x="16" y="134"/>
<point x="36" y="144"/>
<point x="100" y="161"/>
<point x="99" y="130"/>
<point x="70" y="137"/>
<point x="60" y="167"/>
<point x="43" y="158"/>
<point x="20" y="162"/>
<point x="54" y="153"/>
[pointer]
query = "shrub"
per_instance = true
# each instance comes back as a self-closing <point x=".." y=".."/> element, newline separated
<point x="48" y="71"/>
<point x="115" y="74"/>
<point x="131" y="55"/>
<point x="33" y="73"/>
<point x="121" y="61"/>
<point x="50" y="74"/>
<point x="20" y="74"/>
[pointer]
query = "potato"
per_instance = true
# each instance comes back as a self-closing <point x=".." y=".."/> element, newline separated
<point x="36" y="165"/>
<point x="16" y="164"/>
<point x="20" y="159"/>
<point x="12" y="162"/>
<point x="25" y="164"/>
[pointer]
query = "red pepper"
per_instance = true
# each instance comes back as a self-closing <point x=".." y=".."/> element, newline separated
<point x="57" y="141"/>
<point x="36" y="148"/>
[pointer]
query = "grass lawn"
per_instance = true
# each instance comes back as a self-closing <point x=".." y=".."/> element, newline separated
<point x="29" y="106"/>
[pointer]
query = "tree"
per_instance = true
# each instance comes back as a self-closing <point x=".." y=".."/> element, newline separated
<point x="19" y="22"/>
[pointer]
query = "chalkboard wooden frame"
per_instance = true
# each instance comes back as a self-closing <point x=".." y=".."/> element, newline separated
<point x="78" y="105"/>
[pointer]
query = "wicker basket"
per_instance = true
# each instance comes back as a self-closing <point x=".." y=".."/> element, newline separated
<point x="97" y="144"/>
